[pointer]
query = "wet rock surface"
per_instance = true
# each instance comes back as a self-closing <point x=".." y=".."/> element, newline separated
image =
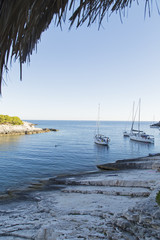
<point x="100" y="205"/>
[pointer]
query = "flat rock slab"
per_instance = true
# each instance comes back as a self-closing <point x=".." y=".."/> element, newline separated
<point x="100" y="205"/>
<point x="149" y="162"/>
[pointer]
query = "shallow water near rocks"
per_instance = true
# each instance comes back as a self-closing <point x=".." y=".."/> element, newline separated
<point x="71" y="150"/>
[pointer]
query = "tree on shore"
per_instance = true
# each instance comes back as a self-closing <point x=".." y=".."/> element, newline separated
<point x="23" y="22"/>
<point x="5" y="119"/>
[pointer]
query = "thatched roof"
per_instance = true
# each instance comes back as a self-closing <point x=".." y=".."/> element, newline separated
<point x="22" y="22"/>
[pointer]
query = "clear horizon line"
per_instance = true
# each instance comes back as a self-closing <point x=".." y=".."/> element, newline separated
<point x="85" y="120"/>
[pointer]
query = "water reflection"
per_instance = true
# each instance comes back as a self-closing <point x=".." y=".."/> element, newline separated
<point x="100" y="152"/>
<point x="140" y="147"/>
<point x="10" y="140"/>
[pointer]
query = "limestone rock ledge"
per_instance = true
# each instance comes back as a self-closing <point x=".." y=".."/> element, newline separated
<point x="94" y="206"/>
<point x="26" y="128"/>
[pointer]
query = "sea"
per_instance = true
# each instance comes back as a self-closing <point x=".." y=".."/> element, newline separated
<point x="26" y="159"/>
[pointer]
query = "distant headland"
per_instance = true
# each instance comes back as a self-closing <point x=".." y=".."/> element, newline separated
<point x="15" y="126"/>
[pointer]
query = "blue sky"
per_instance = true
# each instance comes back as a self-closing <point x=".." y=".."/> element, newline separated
<point x="73" y="71"/>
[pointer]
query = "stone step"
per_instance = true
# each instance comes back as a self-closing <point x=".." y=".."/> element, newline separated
<point x="115" y="191"/>
<point x="118" y="183"/>
<point x="105" y="182"/>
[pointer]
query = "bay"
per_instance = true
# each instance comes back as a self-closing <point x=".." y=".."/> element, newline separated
<point x="71" y="150"/>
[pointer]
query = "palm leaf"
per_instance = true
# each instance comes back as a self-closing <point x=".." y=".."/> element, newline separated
<point x="23" y="22"/>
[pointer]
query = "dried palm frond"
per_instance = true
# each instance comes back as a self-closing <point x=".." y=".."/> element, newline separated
<point x="22" y="22"/>
<point x="21" y="25"/>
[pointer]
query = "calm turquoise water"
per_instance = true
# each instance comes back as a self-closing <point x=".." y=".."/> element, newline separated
<point x="24" y="159"/>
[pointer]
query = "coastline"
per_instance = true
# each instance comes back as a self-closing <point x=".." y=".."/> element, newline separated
<point x="26" y="128"/>
<point x="117" y="205"/>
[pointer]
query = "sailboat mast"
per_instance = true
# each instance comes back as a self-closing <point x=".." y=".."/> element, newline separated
<point x="98" y="119"/>
<point x="133" y="118"/>
<point x="139" y="115"/>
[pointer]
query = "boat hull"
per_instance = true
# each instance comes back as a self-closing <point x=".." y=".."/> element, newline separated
<point x="101" y="143"/>
<point x="141" y="139"/>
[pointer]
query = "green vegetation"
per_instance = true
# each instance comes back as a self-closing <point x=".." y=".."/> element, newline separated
<point x="5" y="119"/>
<point x="158" y="198"/>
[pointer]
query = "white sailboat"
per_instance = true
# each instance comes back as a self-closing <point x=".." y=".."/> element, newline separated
<point x="138" y="135"/>
<point x="99" y="138"/>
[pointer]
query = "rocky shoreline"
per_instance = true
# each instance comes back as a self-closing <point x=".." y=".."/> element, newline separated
<point x="26" y="128"/>
<point x="110" y="205"/>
